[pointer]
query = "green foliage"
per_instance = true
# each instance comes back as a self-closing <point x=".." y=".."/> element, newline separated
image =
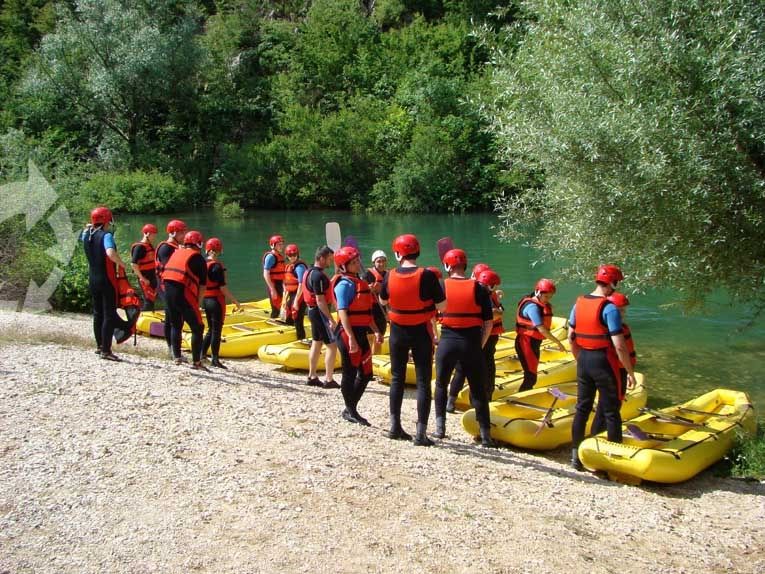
<point x="73" y="292"/>
<point x="648" y="121"/>
<point x="136" y="192"/>
<point x="748" y="456"/>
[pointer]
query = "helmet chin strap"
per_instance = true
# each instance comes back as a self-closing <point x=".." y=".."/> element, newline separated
<point x="397" y="256"/>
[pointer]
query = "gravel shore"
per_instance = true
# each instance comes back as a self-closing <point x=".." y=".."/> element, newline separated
<point x="143" y="466"/>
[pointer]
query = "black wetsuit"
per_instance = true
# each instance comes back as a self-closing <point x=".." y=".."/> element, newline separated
<point x="103" y="292"/>
<point x="463" y="345"/>
<point x="378" y="313"/>
<point x="318" y="283"/>
<point x="213" y="313"/>
<point x="299" y="320"/>
<point x="162" y="255"/>
<point x="458" y="380"/>
<point x="179" y="309"/>
<point x="418" y="340"/>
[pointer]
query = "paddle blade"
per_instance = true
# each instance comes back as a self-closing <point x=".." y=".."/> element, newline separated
<point x="443" y="245"/>
<point x="334" y="239"/>
<point x="558" y="394"/>
<point x="350" y="241"/>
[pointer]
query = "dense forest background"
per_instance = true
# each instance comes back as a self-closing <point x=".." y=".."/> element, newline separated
<point x="628" y="131"/>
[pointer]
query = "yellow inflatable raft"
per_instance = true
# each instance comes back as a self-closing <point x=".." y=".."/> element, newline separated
<point x="673" y="444"/>
<point x="540" y="419"/>
<point x="243" y="340"/>
<point x="294" y="355"/>
<point x="508" y="382"/>
<point x="152" y="322"/>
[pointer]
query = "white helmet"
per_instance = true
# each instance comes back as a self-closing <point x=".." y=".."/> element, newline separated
<point x="377" y="254"/>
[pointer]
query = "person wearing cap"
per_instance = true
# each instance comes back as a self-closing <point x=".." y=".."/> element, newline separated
<point x="185" y="277"/>
<point x="533" y="320"/>
<point x="294" y="306"/>
<point x="317" y="294"/>
<point x="214" y="303"/>
<point x="273" y="273"/>
<point x="353" y="299"/>
<point x="465" y="329"/>
<point x="144" y="264"/>
<point x="597" y="340"/>
<point x="412" y="295"/>
<point x="103" y="262"/>
<point x="176" y="229"/>
<point x="374" y="276"/>
<point x="621" y="301"/>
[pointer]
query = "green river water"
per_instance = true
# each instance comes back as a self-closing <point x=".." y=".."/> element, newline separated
<point x="681" y="355"/>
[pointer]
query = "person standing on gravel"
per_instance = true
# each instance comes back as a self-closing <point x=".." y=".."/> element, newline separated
<point x="103" y="259"/>
<point x="318" y="296"/>
<point x="176" y="229"/>
<point x="375" y="276"/>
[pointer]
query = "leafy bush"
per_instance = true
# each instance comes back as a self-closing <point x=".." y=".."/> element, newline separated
<point x="73" y="292"/>
<point x="136" y="192"/>
<point x="748" y="456"/>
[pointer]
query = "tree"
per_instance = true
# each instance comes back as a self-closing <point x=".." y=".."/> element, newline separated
<point x="124" y="66"/>
<point x="647" y="120"/>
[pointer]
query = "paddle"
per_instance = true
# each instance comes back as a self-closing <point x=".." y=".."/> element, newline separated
<point x="557" y="395"/>
<point x="707" y="413"/>
<point x="334" y="239"/>
<point x="350" y="241"/>
<point x="443" y="245"/>
<point x="639" y="434"/>
<point x="675" y="419"/>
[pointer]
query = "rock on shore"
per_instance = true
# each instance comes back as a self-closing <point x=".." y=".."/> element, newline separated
<point x="143" y="466"/>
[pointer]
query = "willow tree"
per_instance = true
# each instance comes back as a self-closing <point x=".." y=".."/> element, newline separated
<point x="647" y="120"/>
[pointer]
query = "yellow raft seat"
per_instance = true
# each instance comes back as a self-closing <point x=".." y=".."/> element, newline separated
<point x="541" y="418"/>
<point x="294" y="355"/>
<point x="675" y="443"/>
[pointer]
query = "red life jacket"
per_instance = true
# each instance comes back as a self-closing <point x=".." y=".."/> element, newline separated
<point x="461" y="311"/>
<point x="290" y="276"/>
<point x="277" y="271"/>
<point x="376" y="274"/>
<point x="405" y="305"/>
<point x="589" y="329"/>
<point x="212" y="288"/>
<point x="145" y="263"/>
<point x="360" y="309"/>
<point x="524" y="326"/>
<point x="177" y="269"/>
<point x="129" y="301"/>
<point x="496" y="326"/>
<point x="630" y="343"/>
<point x="160" y="265"/>
<point x="308" y="295"/>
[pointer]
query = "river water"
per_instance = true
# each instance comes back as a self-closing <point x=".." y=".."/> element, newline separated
<point x="681" y="355"/>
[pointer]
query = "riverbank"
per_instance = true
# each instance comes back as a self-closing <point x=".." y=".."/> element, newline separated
<point x="143" y="466"/>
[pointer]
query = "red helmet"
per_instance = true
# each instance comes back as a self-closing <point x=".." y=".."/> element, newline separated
<point x="609" y="274"/>
<point x="193" y="238"/>
<point x="101" y="216"/>
<point x="437" y="271"/>
<point x="478" y="268"/>
<point x="274" y="239"/>
<point x="545" y="286"/>
<point x="149" y="228"/>
<point x="406" y="244"/>
<point x="214" y="244"/>
<point x="292" y="249"/>
<point x="176" y="226"/>
<point x="489" y="278"/>
<point x="345" y="255"/>
<point x="619" y="299"/>
<point x="455" y="257"/>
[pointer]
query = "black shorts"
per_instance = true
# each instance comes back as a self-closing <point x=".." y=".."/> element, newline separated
<point x="320" y="326"/>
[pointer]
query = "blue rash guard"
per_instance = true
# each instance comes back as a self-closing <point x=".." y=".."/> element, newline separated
<point x="269" y="262"/>
<point x="345" y="291"/>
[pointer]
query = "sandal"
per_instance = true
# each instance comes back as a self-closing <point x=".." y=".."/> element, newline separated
<point x="109" y="356"/>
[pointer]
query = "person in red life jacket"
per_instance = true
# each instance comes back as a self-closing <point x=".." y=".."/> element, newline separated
<point x="144" y="264"/>
<point x="185" y="277"/>
<point x="597" y="341"/>
<point x="621" y="301"/>
<point x="103" y="261"/>
<point x="273" y="273"/>
<point x="176" y="229"/>
<point x="478" y="268"/>
<point x="317" y="295"/>
<point x="374" y="276"/>
<point x="214" y="303"/>
<point x="294" y="305"/>
<point x="412" y="295"/>
<point x="490" y="280"/>
<point x="465" y="329"/>
<point x="354" y="301"/>
<point x="533" y="320"/>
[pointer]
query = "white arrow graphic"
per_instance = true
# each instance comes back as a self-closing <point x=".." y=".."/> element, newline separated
<point x="40" y="196"/>
<point x="66" y="239"/>
<point x="37" y="297"/>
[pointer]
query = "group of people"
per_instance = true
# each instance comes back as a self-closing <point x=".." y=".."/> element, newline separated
<point x="408" y="300"/>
